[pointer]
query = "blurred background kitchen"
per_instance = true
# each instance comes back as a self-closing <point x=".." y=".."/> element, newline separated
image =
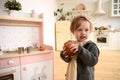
<point x="104" y="14"/>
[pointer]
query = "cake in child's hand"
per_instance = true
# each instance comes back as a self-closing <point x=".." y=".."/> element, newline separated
<point x="67" y="45"/>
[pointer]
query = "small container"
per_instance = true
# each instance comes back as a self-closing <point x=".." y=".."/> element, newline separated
<point x="32" y="13"/>
<point x="1" y="51"/>
<point x="20" y="50"/>
<point x="29" y="49"/>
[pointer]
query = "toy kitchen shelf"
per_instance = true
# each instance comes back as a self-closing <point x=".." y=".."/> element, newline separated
<point x="6" y="20"/>
<point x="16" y="54"/>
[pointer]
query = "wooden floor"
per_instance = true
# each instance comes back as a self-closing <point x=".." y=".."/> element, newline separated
<point x="108" y="67"/>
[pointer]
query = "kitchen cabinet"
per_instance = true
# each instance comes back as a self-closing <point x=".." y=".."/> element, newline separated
<point x="115" y="10"/>
<point x="37" y="66"/>
<point x="112" y="39"/>
<point x="63" y="34"/>
<point x="37" y="71"/>
<point x="32" y="66"/>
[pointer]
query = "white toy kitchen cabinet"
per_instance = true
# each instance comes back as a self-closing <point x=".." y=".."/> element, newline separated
<point x="37" y="71"/>
<point x="37" y="67"/>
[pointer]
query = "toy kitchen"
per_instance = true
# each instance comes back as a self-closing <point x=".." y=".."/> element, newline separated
<point x="23" y="54"/>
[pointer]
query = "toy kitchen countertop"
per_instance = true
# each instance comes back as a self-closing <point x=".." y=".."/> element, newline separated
<point x="15" y="54"/>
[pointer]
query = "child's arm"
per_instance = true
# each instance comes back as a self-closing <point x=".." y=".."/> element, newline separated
<point x="89" y="55"/>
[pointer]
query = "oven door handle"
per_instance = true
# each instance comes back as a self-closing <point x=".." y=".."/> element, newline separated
<point x="8" y="72"/>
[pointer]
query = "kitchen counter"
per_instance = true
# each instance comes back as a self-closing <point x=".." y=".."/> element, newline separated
<point x="11" y="55"/>
<point x="35" y="63"/>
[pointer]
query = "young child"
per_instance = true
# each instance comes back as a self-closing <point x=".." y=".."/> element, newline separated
<point x="85" y="52"/>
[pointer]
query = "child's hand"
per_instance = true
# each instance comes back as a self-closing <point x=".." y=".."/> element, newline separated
<point x="70" y="48"/>
<point x="74" y="48"/>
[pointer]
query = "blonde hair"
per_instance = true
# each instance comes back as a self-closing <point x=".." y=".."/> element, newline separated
<point x="76" y="22"/>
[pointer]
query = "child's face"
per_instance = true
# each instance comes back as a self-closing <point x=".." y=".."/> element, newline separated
<point x="82" y="32"/>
